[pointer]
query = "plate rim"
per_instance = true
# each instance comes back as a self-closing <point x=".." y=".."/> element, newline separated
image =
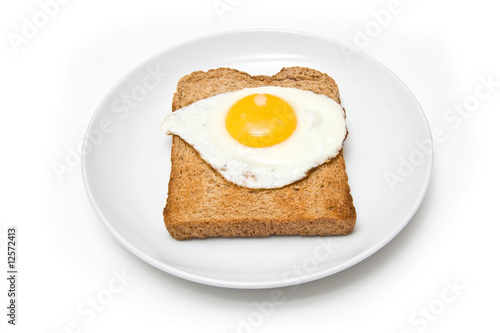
<point x="261" y="284"/>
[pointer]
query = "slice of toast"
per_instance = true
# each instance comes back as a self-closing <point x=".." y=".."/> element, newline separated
<point x="201" y="203"/>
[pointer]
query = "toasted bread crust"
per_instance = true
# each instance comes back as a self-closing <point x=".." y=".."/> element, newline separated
<point x="201" y="203"/>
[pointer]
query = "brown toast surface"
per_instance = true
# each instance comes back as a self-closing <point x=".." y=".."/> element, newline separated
<point x="201" y="203"/>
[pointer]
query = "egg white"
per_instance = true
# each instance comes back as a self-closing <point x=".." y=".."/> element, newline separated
<point x="318" y="137"/>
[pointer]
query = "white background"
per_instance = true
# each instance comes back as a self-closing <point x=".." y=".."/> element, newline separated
<point x="52" y="82"/>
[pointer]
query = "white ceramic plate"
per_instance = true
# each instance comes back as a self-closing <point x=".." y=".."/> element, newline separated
<point x="127" y="161"/>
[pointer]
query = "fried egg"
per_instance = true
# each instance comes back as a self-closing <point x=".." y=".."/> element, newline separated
<point x="265" y="137"/>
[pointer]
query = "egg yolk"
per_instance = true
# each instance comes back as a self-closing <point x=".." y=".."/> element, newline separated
<point x="260" y="120"/>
